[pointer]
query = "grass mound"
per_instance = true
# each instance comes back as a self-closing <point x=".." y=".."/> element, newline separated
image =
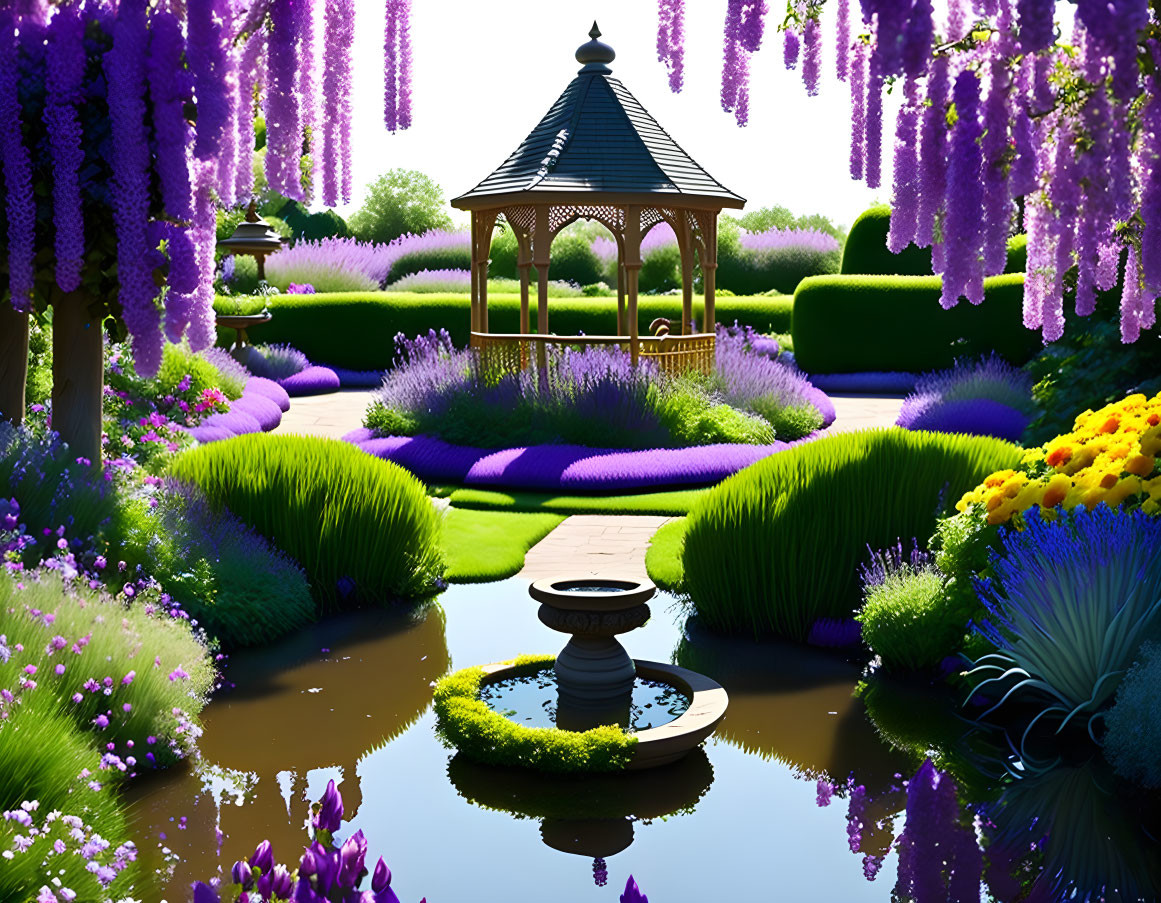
<point x="777" y="545"/>
<point x="363" y="529"/>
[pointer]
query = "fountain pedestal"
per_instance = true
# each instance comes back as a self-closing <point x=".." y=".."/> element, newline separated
<point x="594" y="673"/>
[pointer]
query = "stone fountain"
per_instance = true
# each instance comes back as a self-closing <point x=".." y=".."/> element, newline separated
<point x="595" y="676"/>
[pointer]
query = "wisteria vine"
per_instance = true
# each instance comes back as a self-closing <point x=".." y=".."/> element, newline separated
<point x="1009" y="121"/>
<point x="106" y="165"/>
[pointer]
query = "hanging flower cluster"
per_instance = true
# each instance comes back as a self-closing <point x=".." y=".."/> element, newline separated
<point x="397" y="52"/>
<point x="124" y="123"/>
<point x="671" y="40"/>
<point x="997" y="109"/>
<point x="744" y="27"/>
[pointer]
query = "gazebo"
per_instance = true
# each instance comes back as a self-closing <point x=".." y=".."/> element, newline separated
<point x="598" y="154"/>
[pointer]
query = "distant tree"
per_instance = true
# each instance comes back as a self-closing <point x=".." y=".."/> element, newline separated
<point x="766" y="218"/>
<point x="400" y="201"/>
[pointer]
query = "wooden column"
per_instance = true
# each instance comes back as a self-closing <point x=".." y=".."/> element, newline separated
<point x="541" y="245"/>
<point x="709" y="269"/>
<point x="632" y="267"/>
<point x="483" y="249"/>
<point x="620" y="293"/>
<point x="77" y="374"/>
<point x="473" y="272"/>
<point x="685" y="246"/>
<point x="13" y="363"/>
<point x="524" y="265"/>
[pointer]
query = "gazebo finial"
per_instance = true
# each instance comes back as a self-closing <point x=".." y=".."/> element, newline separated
<point x="595" y="55"/>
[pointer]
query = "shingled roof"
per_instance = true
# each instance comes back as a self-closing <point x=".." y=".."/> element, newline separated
<point x="598" y="139"/>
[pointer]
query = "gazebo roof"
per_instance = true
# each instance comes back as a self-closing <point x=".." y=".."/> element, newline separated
<point x="597" y="144"/>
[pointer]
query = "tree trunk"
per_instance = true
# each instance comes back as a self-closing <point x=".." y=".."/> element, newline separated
<point x="13" y="362"/>
<point x="78" y="374"/>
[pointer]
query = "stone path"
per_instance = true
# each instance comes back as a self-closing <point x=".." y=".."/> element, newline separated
<point x="599" y="545"/>
<point x="332" y="416"/>
<point x="585" y="544"/>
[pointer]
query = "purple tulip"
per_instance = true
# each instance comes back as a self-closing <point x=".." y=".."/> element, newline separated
<point x="352" y="855"/>
<point x="633" y="893"/>
<point x="241" y="874"/>
<point x="280" y="883"/>
<point x="304" y="893"/>
<point x="330" y="814"/>
<point x="381" y="879"/>
<point x="263" y="857"/>
<point x="203" y="893"/>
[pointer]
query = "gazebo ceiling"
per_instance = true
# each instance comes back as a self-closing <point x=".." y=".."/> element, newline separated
<point x="597" y="144"/>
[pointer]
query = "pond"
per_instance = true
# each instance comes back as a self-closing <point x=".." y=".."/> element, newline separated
<point x="350" y="700"/>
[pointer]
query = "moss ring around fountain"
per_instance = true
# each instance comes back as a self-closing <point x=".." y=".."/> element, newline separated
<point x="592" y="708"/>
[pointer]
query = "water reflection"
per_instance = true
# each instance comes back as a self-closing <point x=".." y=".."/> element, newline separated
<point x="300" y="712"/>
<point x="587" y="816"/>
<point x="794" y="704"/>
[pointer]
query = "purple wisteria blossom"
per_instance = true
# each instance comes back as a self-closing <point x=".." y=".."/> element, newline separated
<point x="20" y="207"/>
<point x="858" y="75"/>
<point x="671" y="40"/>
<point x="65" y="57"/>
<point x="842" y="44"/>
<point x="339" y="38"/>
<point x="962" y="239"/>
<point x="283" y="116"/>
<point x="811" y="55"/>
<point x="905" y="194"/>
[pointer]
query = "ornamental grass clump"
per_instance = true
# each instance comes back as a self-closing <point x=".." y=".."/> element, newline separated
<point x="778" y="545"/>
<point x="362" y="529"/>
<point x="1073" y="598"/>
<point x="1110" y="456"/>
<point x="987" y="397"/>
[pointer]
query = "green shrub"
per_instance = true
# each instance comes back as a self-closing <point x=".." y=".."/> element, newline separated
<point x="357" y="329"/>
<point x="573" y="260"/>
<point x="399" y="202"/>
<point x="777" y="545"/>
<point x="691" y="419"/>
<point x="38" y="383"/>
<point x="866" y="251"/>
<point x="178" y="362"/>
<point x="466" y="723"/>
<point x="660" y="270"/>
<point x="363" y="529"/>
<point x="239" y="305"/>
<point x="152" y="662"/>
<point x="502" y="256"/>
<point x="845" y="324"/>
<point x="908" y="622"/>
<point x="233" y="582"/>
<point x="312" y="226"/>
<point x="1133" y="734"/>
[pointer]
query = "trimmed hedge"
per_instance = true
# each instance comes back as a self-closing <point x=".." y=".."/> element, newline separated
<point x="846" y="324"/>
<point x="357" y="330"/>
<point x="777" y="546"/>
<point x="866" y="251"/>
<point x="465" y="722"/>
<point x="362" y="529"/>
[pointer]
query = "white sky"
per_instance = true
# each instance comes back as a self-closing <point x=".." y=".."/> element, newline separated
<point x="486" y="71"/>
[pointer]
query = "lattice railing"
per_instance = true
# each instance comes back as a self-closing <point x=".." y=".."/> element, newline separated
<point x="672" y="353"/>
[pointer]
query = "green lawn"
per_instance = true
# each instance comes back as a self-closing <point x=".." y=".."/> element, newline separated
<point x="663" y="558"/>
<point x="490" y="545"/>
<point x="675" y="502"/>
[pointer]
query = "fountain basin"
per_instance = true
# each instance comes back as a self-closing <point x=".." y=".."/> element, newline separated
<point x="669" y="742"/>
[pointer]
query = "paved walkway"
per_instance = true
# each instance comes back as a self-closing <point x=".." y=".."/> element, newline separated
<point x="332" y="416"/>
<point x="599" y="545"/>
<point x="587" y="544"/>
